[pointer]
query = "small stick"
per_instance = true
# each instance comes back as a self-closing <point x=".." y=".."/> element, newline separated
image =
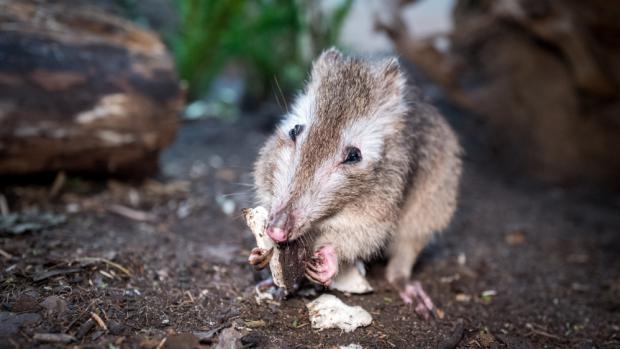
<point x="191" y="298"/>
<point x="545" y="334"/>
<point x="53" y="338"/>
<point x="542" y="332"/>
<point x="59" y="183"/>
<point x="5" y="254"/>
<point x="106" y="261"/>
<point x="78" y="317"/>
<point x="85" y="328"/>
<point x="161" y="344"/>
<point x="99" y="321"/>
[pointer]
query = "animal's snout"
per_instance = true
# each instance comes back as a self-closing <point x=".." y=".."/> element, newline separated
<point x="280" y="225"/>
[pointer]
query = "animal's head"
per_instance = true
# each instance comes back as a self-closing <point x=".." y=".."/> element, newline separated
<point x="330" y="147"/>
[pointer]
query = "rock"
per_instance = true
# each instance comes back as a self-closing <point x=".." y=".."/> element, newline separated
<point x="10" y="323"/>
<point x="116" y="328"/>
<point x="253" y="340"/>
<point x="230" y="338"/>
<point x="328" y="311"/>
<point x="54" y="306"/>
<point x="82" y="90"/>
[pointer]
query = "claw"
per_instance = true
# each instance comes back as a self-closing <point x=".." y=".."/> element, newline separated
<point x="323" y="265"/>
<point x="313" y="267"/>
<point x="413" y="292"/>
<point x="260" y="258"/>
<point x="312" y="277"/>
<point x="316" y="278"/>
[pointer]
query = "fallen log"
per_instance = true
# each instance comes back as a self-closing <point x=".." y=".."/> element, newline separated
<point x="82" y="90"/>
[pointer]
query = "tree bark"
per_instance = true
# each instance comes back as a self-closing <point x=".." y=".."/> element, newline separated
<point x="82" y="90"/>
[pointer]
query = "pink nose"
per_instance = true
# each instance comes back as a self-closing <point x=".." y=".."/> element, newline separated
<point x="277" y="234"/>
<point x="279" y="226"/>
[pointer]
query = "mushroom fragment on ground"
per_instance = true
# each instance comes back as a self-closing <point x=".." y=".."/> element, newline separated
<point x="328" y="311"/>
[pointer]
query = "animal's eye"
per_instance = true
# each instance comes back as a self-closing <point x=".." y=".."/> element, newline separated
<point x="354" y="155"/>
<point x="295" y="131"/>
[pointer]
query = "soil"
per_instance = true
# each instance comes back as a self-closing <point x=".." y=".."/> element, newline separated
<point x="523" y="265"/>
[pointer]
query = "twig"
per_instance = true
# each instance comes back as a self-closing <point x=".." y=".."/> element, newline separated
<point x="132" y="214"/>
<point x="545" y="334"/>
<point x="5" y="254"/>
<point x="99" y="321"/>
<point x="161" y="344"/>
<point x="106" y="261"/>
<point x="53" y="338"/>
<point x="85" y="328"/>
<point x="79" y="316"/>
<point x="191" y="298"/>
<point x="541" y="332"/>
<point x="59" y="183"/>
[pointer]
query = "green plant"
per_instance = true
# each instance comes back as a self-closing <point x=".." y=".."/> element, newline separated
<point x="270" y="39"/>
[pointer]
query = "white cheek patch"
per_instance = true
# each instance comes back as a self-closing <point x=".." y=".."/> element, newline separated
<point x="302" y="113"/>
<point x="368" y="135"/>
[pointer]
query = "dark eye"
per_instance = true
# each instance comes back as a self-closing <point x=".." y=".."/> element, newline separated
<point x="295" y="131"/>
<point x="354" y="155"/>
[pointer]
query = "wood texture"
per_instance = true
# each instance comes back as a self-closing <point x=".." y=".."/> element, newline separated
<point x="82" y="90"/>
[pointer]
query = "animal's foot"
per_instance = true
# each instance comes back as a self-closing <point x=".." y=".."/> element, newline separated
<point x="265" y="285"/>
<point x="260" y="257"/>
<point x="323" y="266"/>
<point x="412" y="293"/>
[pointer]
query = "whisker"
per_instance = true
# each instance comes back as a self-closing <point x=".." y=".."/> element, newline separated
<point x="281" y="94"/>
<point x="238" y="217"/>
<point x="244" y="184"/>
<point x="233" y="194"/>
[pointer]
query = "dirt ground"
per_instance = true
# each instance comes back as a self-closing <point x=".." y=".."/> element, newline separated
<point x="163" y="264"/>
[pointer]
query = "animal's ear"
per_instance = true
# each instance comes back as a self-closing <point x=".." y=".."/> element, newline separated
<point x="392" y="77"/>
<point x="329" y="57"/>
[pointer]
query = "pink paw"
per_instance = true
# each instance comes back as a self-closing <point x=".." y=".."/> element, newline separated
<point x="413" y="293"/>
<point x="260" y="257"/>
<point x="323" y="266"/>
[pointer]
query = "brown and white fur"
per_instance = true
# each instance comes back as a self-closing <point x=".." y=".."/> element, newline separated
<point x="402" y="190"/>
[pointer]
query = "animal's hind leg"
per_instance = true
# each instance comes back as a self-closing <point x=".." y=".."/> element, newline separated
<point x="405" y="250"/>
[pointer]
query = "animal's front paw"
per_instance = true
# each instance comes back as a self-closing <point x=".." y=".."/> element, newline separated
<point x="260" y="257"/>
<point x="323" y="266"/>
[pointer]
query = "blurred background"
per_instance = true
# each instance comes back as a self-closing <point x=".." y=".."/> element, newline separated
<point x="80" y="79"/>
<point x="128" y="130"/>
